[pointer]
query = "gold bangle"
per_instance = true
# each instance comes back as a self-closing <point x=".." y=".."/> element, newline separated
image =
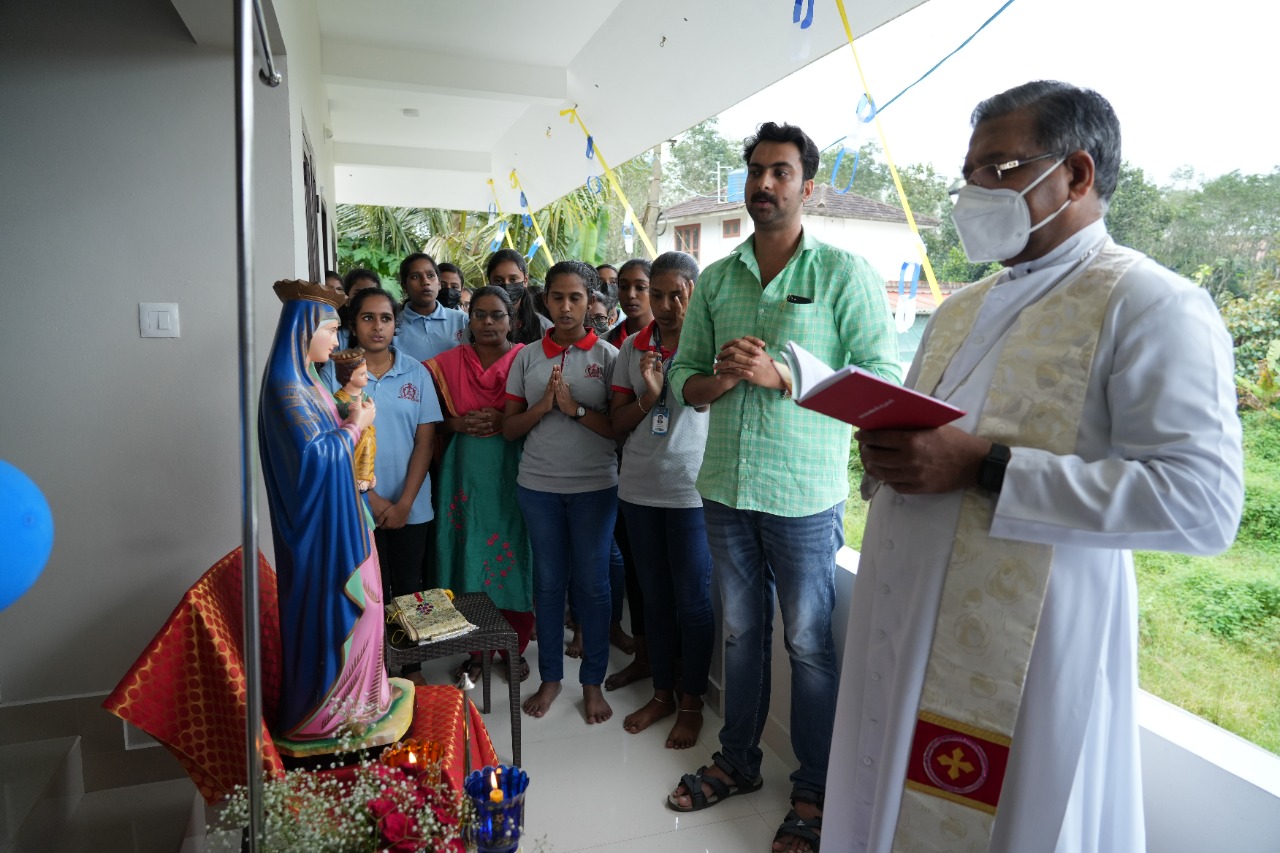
<point x="641" y="405"/>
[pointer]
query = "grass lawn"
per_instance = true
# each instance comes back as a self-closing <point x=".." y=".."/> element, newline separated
<point x="1209" y="627"/>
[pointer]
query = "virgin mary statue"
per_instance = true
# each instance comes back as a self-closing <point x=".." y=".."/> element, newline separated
<point x="334" y="682"/>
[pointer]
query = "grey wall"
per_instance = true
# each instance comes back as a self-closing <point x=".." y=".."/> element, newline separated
<point x="117" y="187"/>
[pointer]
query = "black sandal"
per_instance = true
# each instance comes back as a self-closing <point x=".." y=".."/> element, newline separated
<point x="720" y="791"/>
<point x="472" y="667"/>
<point x="803" y="829"/>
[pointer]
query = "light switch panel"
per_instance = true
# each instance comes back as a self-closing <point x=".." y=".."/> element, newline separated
<point x="158" y="319"/>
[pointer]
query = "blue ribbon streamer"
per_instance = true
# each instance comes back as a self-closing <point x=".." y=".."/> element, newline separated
<point x="597" y="187"/>
<point x="808" y="18"/>
<point x="836" y="168"/>
<point x="533" y="248"/>
<point x="591" y="147"/>
<point x="963" y="44"/>
<point x="915" y="279"/>
<point x="866" y="102"/>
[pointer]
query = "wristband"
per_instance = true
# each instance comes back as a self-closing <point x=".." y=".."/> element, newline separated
<point x="991" y="471"/>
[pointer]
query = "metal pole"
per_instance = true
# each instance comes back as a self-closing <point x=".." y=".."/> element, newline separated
<point x="248" y="434"/>
<point x="268" y="75"/>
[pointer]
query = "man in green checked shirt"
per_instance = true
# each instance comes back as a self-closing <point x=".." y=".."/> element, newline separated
<point x="773" y="479"/>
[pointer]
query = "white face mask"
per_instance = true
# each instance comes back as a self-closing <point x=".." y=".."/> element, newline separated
<point x="994" y="225"/>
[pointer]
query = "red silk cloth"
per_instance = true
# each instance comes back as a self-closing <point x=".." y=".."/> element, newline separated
<point x="188" y="688"/>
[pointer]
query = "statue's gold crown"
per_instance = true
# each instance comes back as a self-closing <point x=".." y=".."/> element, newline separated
<point x="348" y="356"/>
<point x="299" y="289"/>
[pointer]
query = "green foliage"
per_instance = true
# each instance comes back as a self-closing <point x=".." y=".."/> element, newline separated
<point x="1220" y="230"/>
<point x="695" y="158"/>
<point x="1139" y="213"/>
<point x="1254" y="322"/>
<point x="1230" y="608"/>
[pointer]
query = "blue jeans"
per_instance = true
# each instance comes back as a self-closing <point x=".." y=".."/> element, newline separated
<point x="570" y="535"/>
<point x="754" y="553"/>
<point x="674" y="570"/>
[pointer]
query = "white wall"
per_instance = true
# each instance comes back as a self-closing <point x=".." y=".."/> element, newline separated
<point x="884" y="244"/>
<point x="308" y="108"/>
<point x="117" y="153"/>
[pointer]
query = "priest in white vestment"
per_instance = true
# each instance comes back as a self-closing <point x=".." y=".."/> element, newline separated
<point x="1152" y="461"/>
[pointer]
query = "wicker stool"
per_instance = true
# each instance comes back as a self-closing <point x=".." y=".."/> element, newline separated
<point x="494" y="634"/>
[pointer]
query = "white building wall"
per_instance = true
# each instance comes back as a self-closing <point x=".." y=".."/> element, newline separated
<point x="884" y="244"/>
<point x="118" y="175"/>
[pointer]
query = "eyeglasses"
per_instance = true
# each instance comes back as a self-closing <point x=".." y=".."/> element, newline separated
<point x="997" y="169"/>
<point x="495" y="316"/>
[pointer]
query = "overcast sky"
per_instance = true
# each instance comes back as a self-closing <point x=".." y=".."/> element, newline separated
<point x="1192" y="84"/>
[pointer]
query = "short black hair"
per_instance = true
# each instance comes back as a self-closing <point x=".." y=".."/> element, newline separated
<point x="502" y="256"/>
<point x="581" y="269"/>
<point x="359" y="274"/>
<point x="414" y="258"/>
<point x="453" y="268"/>
<point x="771" y="132"/>
<point x="680" y="263"/>
<point x="600" y="267"/>
<point x="1067" y="118"/>
<point x="362" y="295"/>
<point x="636" y="262"/>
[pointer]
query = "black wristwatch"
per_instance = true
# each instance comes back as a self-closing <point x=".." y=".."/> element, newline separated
<point x="580" y="413"/>
<point x="991" y="472"/>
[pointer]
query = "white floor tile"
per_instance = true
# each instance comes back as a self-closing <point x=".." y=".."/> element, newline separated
<point x="599" y="788"/>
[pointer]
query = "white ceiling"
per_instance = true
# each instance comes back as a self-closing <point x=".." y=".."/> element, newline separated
<point x="489" y="78"/>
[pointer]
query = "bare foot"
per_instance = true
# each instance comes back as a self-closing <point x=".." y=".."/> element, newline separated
<point x="598" y="710"/>
<point x="684" y="733"/>
<point x="538" y="704"/>
<point x="681" y="797"/>
<point x="621" y="639"/>
<point x="635" y="671"/>
<point x="792" y="844"/>
<point x="652" y="711"/>
<point x="574" y="649"/>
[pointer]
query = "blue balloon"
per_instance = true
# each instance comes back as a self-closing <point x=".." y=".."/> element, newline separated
<point x="26" y="533"/>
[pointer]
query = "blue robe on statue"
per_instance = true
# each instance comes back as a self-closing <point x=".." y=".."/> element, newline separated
<point x="320" y="528"/>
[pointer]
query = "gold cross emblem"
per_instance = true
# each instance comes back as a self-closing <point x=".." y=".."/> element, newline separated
<point x="955" y="764"/>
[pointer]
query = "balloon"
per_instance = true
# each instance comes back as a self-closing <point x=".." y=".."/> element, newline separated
<point x="26" y="533"/>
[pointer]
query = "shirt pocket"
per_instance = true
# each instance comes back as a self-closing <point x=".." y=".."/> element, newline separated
<point x="803" y="322"/>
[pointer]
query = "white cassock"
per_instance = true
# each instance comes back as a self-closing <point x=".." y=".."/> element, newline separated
<point x="1157" y="467"/>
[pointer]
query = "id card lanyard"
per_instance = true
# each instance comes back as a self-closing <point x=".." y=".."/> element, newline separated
<point x="660" y="422"/>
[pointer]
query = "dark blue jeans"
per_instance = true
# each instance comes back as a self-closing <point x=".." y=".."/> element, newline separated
<point x="571" y="535"/>
<point x="673" y="566"/>
<point x="755" y="553"/>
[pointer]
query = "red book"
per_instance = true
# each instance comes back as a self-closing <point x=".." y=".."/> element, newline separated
<point x="863" y="399"/>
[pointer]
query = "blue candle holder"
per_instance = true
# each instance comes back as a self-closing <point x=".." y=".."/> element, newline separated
<point x="497" y="795"/>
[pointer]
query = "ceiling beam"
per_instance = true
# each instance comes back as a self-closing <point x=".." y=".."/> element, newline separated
<point x="354" y="64"/>
<point x="411" y="158"/>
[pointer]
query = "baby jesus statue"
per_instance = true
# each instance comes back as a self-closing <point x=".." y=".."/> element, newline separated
<point x="353" y="374"/>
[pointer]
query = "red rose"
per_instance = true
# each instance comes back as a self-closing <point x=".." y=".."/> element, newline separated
<point x="381" y="807"/>
<point x="398" y="828"/>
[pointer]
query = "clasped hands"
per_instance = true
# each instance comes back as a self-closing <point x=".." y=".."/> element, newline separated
<point x="924" y="461"/>
<point x="746" y="358"/>
<point x="557" y="396"/>
<point x="482" y="422"/>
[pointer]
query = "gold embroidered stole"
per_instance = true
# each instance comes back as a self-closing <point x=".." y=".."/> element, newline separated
<point x="994" y="588"/>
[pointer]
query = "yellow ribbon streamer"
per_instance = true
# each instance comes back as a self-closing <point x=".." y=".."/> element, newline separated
<point x="613" y="182"/>
<point x="542" y="241"/>
<point x="893" y="170"/>
<point x="497" y="205"/>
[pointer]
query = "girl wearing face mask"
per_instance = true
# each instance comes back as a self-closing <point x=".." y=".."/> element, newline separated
<point x="507" y="269"/>
<point x="557" y="400"/>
